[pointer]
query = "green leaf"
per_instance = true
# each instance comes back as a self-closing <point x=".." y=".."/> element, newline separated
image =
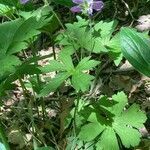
<point x="106" y="42"/>
<point x="8" y="64"/>
<point x="9" y="3"/>
<point x="54" y="83"/>
<point x="90" y="131"/>
<point x="123" y="124"/>
<point x="53" y="66"/>
<point x="77" y="35"/>
<point x="84" y="38"/>
<point x="5" y="10"/>
<point x="136" y="49"/>
<point x="114" y="44"/>
<point x="108" y="140"/>
<point x="87" y="64"/>
<point x="27" y="30"/>
<point x="121" y="100"/>
<point x="50" y="24"/>
<point x="114" y="47"/>
<point x="81" y="81"/>
<point x="14" y="37"/>
<point x="80" y="35"/>
<point x="27" y="69"/>
<point x="99" y="45"/>
<point x="15" y="34"/>
<point x="130" y="119"/>
<point x="128" y="135"/>
<point x="105" y="28"/>
<point x="68" y="50"/>
<point x="7" y="30"/>
<point x="116" y="57"/>
<point x="2" y="147"/>
<point x="67" y="61"/>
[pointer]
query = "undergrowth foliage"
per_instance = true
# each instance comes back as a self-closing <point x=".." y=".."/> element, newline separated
<point x="83" y="121"/>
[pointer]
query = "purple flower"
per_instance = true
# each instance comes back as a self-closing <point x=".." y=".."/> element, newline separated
<point x="87" y="6"/>
<point x="23" y="1"/>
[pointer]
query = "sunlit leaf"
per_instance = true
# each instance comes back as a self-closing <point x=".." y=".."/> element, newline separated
<point x="136" y="48"/>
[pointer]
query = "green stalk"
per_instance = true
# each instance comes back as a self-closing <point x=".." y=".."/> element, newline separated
<point x="30" y="110"/>
<point x="75" y="113"/>
<point x="128" y="8"/>
<point x="43" y="108"/>
<point x="66" y="34"/>
<point x="90" y="24"/>
<point x="46" y="3"/>
<point x="30" y="104"/>
<point x="39" y="82"/>
<point x="23" y="87"/>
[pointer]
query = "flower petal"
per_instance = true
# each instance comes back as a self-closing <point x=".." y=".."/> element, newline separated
<point x="97" y="5"/>
<point x="23" y="1"/>
<point x="76" y="9"/>
<point x="89" y="1"/>
<point x="77" y="1"/>
<point x="90" y="11"/>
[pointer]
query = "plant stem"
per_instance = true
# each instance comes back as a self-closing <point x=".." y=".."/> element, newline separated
<point x="58" y="20"/>
<point x="54" y="140"/>
<point x="90" y="24"/>
<point x="30" y="106"/>
<point x="75" y="113"/>
<point x="46" y="3"/>
<point x="66" y="33"/>
<point x="23" y="87"/>
<point x="54" y="53"/>
<point x="39" y="83"/>
<point x="128" y="8"/>
<point x="43" y="108"/>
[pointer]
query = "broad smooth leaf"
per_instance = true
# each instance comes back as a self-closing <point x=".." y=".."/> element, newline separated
<point x="136" y="49"/>
<point x="7" y="30"/>
<point x="8" y="64"/>
<point x="14" y="37"/>
<point x="15" y="34"/>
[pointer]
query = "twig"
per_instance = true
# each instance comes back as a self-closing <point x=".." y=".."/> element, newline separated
<point x="128" y="8"/>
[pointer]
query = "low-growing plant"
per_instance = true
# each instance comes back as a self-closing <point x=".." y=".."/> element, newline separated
<point x="84" y="120"/>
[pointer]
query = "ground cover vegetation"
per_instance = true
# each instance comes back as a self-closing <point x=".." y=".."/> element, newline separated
<point x="74" y="75"/>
